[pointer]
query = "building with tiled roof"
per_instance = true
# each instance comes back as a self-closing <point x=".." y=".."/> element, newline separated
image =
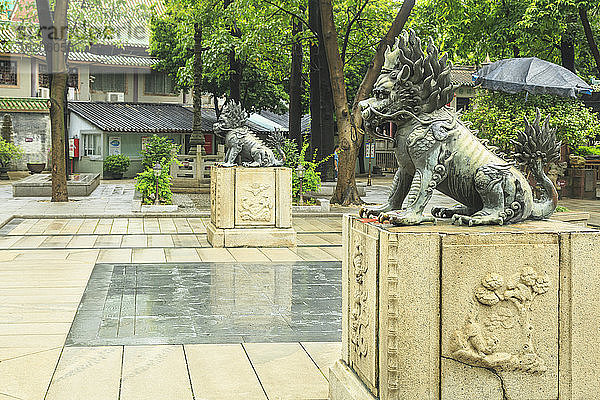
<point x="461" y="77"/>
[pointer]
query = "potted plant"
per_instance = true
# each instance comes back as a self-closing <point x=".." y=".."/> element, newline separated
<point x="8" y="153"/>
<point x="116" y="165"/>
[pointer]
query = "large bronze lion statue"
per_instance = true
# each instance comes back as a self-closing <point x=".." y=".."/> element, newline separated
<point x="436" y="150"/>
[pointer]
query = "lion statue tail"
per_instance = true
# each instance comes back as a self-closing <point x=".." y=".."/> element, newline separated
<point x="536" y="146"/>
<point x="276" y="140"/>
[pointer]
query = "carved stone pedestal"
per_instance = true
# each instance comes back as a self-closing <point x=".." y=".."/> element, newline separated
<point x="251" y="207"/>
<point x="461" y="313"/>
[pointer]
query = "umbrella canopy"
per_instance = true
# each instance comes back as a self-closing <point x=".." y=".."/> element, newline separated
<point x="532" y="75"/>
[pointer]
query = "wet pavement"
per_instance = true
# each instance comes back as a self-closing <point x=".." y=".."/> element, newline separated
<point x="184" y="303"/>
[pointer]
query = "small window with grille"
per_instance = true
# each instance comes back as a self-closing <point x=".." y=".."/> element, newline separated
<point x="92" y="144"/>
<point x="8" y="73"/>
<point x="44" y="82"/>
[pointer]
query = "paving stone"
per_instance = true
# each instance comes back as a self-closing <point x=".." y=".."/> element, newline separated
<point x="145" y="372"/>
<point x="222" y="372"/>
<point x="87" y="374"/>
<point x="286" y="371"/>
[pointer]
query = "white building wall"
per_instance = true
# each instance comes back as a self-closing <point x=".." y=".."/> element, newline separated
<point x="23" y="88"/>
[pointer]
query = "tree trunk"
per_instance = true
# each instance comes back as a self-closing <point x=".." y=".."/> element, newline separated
<point x="295" y="116"/>
<point x="349" y="125"/>
<point x="345" y="191"/>
<point x="315" y="92"/>
<point x="197" y="138"/>
<point x="567" y="51"/>
<point x="235" y="67"/>
<point x="583" y="16"/>
<point x="54" y="38"/>
<point x="326" y="141"/>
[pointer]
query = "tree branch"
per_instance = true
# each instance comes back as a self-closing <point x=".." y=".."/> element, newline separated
<point x="293" y="15"/>
<point x="349" y="28"/>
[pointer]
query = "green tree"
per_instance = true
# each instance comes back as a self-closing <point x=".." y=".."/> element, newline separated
<point x="499" y="116"/>
<point x="554" y="30"/>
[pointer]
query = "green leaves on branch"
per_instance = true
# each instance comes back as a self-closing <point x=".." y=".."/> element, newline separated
<point x="312" y="177"/>
<point x="160" y="149"/>
<point x="116" y="164"/>
<point x="499" y="116"/>
<point x="9" y="152"/>
<point x="146" y="185"/>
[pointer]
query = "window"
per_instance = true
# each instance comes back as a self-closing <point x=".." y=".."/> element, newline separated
<point x="462" y="103"/>
<point x="44" y="82"/>
<point x="158" y="83"/>
<point x="92" y="144"/>
<point x="108" y="82"/>
<point x="8" y="73"/>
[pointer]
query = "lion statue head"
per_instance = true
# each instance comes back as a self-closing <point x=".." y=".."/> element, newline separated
<point x="232" y="117"/>
<point x="412" y="82"/>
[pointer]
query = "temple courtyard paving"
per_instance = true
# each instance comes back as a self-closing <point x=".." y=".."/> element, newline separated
<point x="100" y="303"/>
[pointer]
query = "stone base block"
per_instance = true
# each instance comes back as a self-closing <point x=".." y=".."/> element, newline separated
<point x="345" y="384"/>
<point x="40" y="185"/>
<point x="250" y="237"/>
<point x="448" y="312"/>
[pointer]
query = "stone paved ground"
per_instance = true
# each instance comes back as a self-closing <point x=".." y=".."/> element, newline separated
<point x="45" y="270"/>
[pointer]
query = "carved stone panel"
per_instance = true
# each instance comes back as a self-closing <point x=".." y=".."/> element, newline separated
<point x="500" y="316"/>
<point x="221" y="196"/>
<point x="363" y="311"/>
<point x="254" y="197"/>
<point x="409" y="292"/>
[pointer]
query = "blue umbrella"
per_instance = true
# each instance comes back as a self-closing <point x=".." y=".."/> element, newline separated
<point x="532" y="75"/>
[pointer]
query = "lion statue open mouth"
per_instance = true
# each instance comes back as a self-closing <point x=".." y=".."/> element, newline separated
<point x="436" y="150"/>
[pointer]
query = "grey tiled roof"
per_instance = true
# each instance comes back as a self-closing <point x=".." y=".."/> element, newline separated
<point x="284" y="119"/>
<point x="462" y="75"/>
<point x="135" y="117"/>
<point x="134" y="61"/>
<point x="146" y="117"/>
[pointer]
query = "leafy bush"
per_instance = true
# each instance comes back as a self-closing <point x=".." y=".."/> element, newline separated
<point x="312" y="178"/>
<point x="116" y="164"/>
<point x="499" y="116"/>
<point x="159" y="149"/>
<point x="146" y="185"/>
<point x="9" y="152"/>
<point x="588" y="150"/>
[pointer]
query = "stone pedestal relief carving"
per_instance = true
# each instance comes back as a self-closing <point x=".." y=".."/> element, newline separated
<point x="498" y="331"/>
<point x="251" y="207"/>
<point x="451" y="313"/>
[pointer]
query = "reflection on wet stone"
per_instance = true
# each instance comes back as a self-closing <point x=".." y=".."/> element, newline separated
<point x="209" y="303"/>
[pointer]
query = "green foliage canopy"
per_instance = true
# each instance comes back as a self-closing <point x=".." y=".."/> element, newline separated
<point x="499" y="116"/>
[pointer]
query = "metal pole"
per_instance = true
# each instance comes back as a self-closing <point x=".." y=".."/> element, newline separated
<point x="156" y="196"/>
<point x="301" y="193"/>
<point x="370" y="161"/>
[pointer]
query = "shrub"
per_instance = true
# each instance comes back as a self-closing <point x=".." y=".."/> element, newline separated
<point x="9" y="152"/>
<point x="312" y="177"/>
<point x="146" y="185"/>
<point x="159" y="149"/>
<point x="588" y="150"/>
<point x="116" y="164"/>
<point x="499" y="116"/>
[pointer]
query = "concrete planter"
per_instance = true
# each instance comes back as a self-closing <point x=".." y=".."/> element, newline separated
<point x="323" y="206"/>
<point x="160" y="208"/>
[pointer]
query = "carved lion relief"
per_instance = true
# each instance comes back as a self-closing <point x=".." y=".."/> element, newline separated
<point x="256" y="204"/>
<point x="498" y="333"/>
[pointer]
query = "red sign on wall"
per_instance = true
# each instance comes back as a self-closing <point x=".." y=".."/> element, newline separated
<point x="208" y="143"/>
